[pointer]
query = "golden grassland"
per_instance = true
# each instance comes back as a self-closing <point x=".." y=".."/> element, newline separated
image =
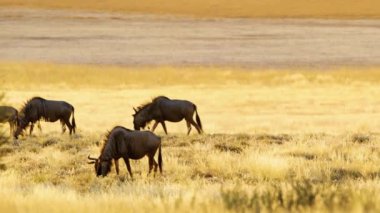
<point x="275" y="140"/>
<point x="229" y="100"/>
<point x="212" y="172"/>
<point x="220" y="8"/>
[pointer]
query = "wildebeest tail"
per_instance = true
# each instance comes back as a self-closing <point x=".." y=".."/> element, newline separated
<point x="159" y="159"/>
<point x="197" y="118"/>
<point x="73" y="121"/>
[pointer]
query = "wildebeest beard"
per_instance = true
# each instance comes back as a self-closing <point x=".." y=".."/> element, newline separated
<point x="146" y="124"/>
<point x="102" y="168"/>
<point x="23" y="123"/>
<point x="141" y="121"/>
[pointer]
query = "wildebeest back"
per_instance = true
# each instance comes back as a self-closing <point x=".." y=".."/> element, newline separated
<point x="141" y="141"/>
<point x="134" y="143"/>
<point x="175" y="110"/>
<point x="64" y="109"/>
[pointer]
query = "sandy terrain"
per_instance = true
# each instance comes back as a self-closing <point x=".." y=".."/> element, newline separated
<point x="110" y="38"/>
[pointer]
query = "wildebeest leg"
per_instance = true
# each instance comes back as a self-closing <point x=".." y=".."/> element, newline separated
<point x="154" y="126"/>
<point x="188" y="127"/>
<point x="195" y="125"/>
<point x="155" y="165"/>
<point x="69" y="125"/>
<point x="150" y="163"/>
<point x="117" y="166"/>
<point x="11" y="128"/>
<point x="126" y="160"/>
<point x="31" y="128"/>
<point x="164" y="126"/>
<point x="63" y="126"/>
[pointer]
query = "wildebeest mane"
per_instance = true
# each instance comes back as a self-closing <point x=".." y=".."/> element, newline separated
<point x="145" y="105"/>
<point x="25" y="109"/>
<point x="107" y="137"/>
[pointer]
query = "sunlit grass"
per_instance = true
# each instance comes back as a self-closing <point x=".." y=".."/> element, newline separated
<point x="37" y="75"/>
<point x="276" y="140"/>
<point x="264" y="175"/>
<point x="229" y="100"/>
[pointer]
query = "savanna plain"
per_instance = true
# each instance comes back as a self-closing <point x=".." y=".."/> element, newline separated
<point x="275" y="140"/>
<point x="278" y="137"/>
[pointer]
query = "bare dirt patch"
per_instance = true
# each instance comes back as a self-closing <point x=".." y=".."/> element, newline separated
<point x="61" y="36"/>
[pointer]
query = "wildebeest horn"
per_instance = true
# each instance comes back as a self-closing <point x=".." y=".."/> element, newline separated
<point x="135" y="109"/>
<point x="90" y="158"/>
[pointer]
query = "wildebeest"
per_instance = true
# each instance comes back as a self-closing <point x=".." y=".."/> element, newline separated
<point x="38" y="108"/>
<point x="124" y="143"/>
<point x="10" y="115"/>
<point x="163" y="109"/>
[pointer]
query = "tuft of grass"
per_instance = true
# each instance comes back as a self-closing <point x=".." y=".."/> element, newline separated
<point x="231" y="148"/>
<point x="360" y="138"/>
<point x="273" y="139"/>
<point x="307" y="156"/>
<point x="340" y="173"/>
<point x="51" y="141"/>
<point x="6" y="149"/>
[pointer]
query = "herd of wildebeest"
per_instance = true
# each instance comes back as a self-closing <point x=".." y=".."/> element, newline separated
<point x="120" y="142"/>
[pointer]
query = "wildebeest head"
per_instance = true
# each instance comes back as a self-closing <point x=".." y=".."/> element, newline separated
<point x="101" y="167"/>
<point x="140" y="119"/>
<point x="22" y="123"/>
<point x="23" y="118"/>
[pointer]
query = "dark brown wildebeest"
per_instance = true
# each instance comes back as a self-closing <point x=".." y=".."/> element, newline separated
<point x="10" y="115"/>
<point x="124" y="143"/>
<point x="38" y="108"/>
<point x="163" y="109"/>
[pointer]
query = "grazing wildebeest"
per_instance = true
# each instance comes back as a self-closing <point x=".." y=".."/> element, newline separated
<point x="38" y="108"/>
<point x="124" y="143"/>
<point x="10" y="115"/>
<point x="163" y="109"/>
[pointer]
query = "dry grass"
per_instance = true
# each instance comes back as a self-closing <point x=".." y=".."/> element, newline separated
<point x="341" y="175"/>
<point x="292" y="140"/>
<point x="220" y="8"/>
<point x="37" y="75"/>
<point x="229" y="100"/>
